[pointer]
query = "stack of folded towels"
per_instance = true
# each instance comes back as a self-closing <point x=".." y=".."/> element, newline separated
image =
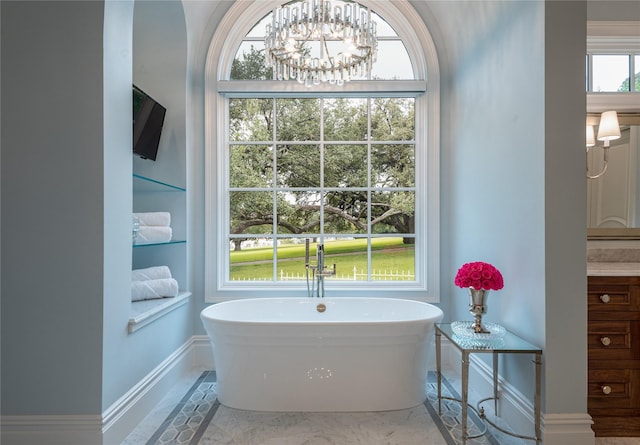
<point x="154" y="227"/>
<point x="152" y="282"/>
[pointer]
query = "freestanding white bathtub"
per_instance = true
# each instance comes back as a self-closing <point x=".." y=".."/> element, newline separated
<point x="282" y="354"/>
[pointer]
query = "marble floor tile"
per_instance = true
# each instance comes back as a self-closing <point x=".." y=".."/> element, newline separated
<point x="237" y="427"/>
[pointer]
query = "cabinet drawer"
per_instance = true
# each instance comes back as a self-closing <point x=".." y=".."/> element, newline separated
<point x="613" y="340"/>
<point x="613" y="388"/>
<point x="613" y="294"/>
<point x="612" y="300"/>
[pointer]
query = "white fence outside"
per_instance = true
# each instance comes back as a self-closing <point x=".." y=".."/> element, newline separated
<point x="355" y="275"/>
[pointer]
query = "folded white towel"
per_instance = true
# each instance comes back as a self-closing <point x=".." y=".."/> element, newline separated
<point x="153" y="234"/>
<point x="162" y="219"/>
<point x="150" y="289"/>
<point x="150" y="273"/>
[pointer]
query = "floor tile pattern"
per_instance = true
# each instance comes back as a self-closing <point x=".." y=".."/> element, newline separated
<point x="200" y="419"/>
<point x="236" y="427"/>
<point x="188" y="421"/>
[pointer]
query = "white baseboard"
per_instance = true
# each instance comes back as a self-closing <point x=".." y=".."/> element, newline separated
<point x="515" y="409"/>
<point x="567" y="429"/>
<point x="113" y="426"/>
<point x="51" y="430"/>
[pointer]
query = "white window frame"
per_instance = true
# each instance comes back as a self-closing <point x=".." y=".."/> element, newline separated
<point x="234" y="26"/>
<point x="612" y="38"/>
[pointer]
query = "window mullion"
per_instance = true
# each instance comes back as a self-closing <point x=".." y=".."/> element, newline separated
<point x="322" y="169"/>
<point x="274" y="157"/>
<point x="369" y="194"/>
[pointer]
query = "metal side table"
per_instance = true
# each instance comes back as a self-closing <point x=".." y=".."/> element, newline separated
<point x="509" y="344"/>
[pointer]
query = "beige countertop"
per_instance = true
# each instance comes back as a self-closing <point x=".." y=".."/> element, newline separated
<point x="613" y="269"/>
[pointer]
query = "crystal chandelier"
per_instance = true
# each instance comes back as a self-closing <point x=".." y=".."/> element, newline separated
<point x="315" y="41"/>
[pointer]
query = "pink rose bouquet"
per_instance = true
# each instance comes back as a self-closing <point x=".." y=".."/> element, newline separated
<point x="479" y="275"/>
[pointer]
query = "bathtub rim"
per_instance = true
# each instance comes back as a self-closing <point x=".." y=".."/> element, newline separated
<point x="438" y="315"/>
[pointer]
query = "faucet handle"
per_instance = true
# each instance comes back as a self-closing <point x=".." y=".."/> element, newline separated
<point x="306" y="252"/>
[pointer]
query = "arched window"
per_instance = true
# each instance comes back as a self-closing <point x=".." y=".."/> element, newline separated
<point x="351" y="166"/>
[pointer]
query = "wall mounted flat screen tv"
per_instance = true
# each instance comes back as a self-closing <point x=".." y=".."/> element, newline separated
<point x="148" y="118"/>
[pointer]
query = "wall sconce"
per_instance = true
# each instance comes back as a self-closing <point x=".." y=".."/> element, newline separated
<point x="608" y="130"/>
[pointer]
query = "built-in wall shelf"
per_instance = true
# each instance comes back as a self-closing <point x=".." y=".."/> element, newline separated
<point x="145" y="184"/>
<point x="153" y="195"/>
<point x="147" y="311"/>
<point x="160" y="244"/>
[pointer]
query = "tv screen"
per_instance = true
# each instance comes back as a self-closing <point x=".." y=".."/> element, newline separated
<point x="148" y="118"/>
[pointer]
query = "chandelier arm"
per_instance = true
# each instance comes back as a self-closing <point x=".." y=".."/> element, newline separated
<point x="326" y="49"/>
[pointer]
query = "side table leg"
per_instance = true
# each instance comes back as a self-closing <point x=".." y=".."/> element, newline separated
<point x="495" y="383"/>
<point x="465" y="394"/>
<point x="439" y="369"/>
<point x="537" y="398"/>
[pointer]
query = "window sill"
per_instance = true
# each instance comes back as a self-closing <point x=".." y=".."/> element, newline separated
<point x="147" y="311"/>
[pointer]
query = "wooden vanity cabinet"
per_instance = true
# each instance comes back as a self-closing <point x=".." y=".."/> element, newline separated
<point x="613" y="331"/>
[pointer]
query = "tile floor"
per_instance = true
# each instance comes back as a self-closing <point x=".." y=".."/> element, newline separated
<point x="304" y="428"/>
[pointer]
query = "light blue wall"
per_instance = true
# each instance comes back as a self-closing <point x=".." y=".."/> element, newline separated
<point x="146" y="43"/>
<point x="202" y="20"/>
<point x="66" y="204"/>
<point x="512" y="195"/>
<point x="119" y="370"/>
<point x="52" y="207"/>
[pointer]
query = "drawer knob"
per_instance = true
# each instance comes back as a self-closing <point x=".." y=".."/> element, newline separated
<point x="606" y="389"/>
<point x="606" y="341"/>
<point x="605" y="298"/>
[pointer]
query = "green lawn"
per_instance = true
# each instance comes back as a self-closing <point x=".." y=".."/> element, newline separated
<point x="388" y="254"/>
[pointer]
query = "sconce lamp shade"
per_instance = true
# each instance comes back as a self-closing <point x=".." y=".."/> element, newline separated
<point x="591" y="138"/>
<point x="609" y="128"/>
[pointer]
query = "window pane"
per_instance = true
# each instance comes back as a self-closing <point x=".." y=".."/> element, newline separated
<point x="610" y="73"/>
<point x="299" y="212"/>
<point x="298" y="165"/>
<point x="345" y="212"/>
<point x="250" y="119"/>
<point x="396" y="65"/>
<point x="637" y="69"/>
<point x="291" y="259"/>
<point x="250" y="166"/>
<point x="248" y="63"/>
<point x="392" y="119"/>
<point x="587" y="73"/>
<point x="393" y="212"/>
<point x="392" y="165"/>
<point x="393" y="259"/>
<point x="345" y="119"/>
<point x="251" y="212"/>
<point x="298" y="119"/>
<point x="251" y="259"/>
<point x="382" y="27"/>
<point x="349" y="254"/>
<point x="345" y="166"/>
<point x="259" y="30"/>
